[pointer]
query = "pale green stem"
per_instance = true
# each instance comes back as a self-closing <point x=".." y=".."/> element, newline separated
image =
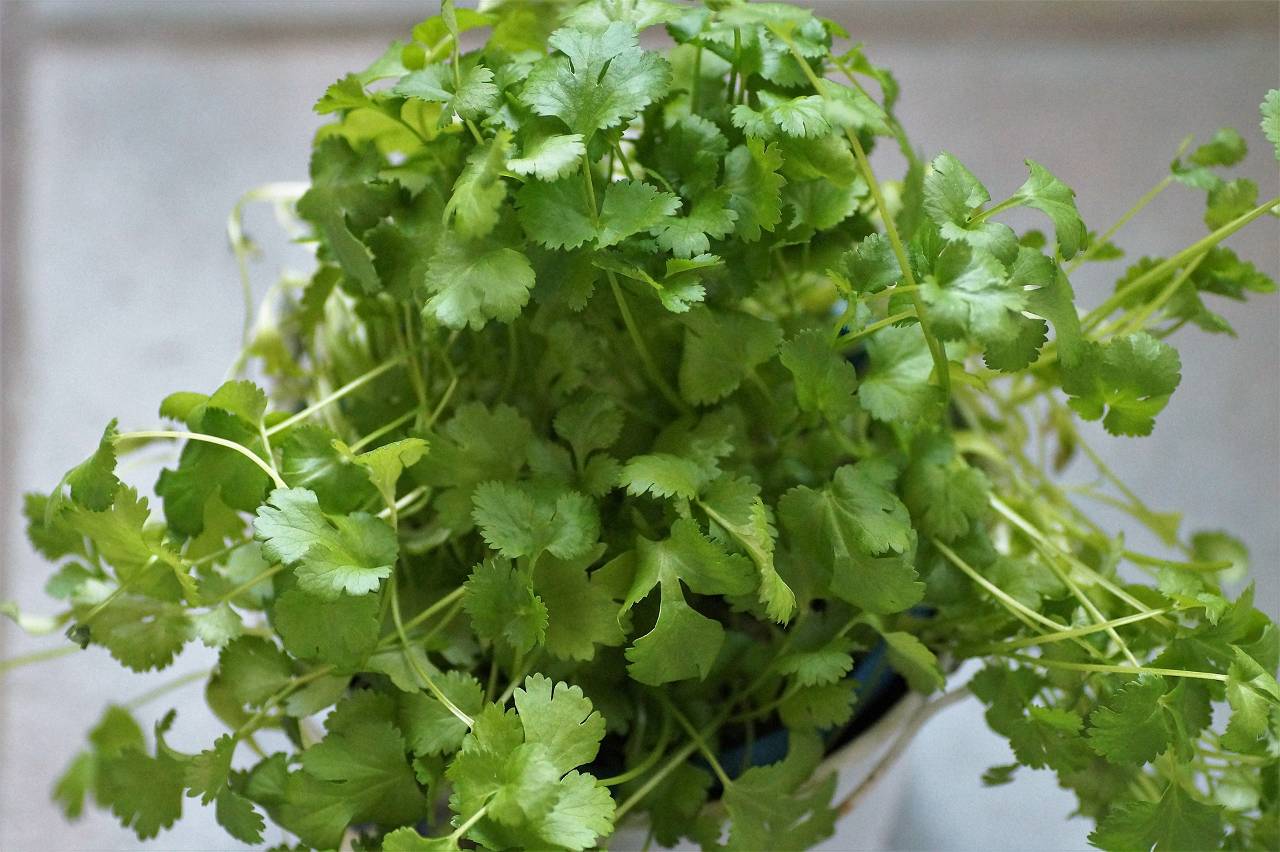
<point x="147" y="434"/>
<point x="417" y="667"/>
<point x="336" y="395"/>
<point x="37" y="657"/>
<point x="1134" y="670"/>
<point x="1049" y="638"/>
<point x="1159" y="270"/>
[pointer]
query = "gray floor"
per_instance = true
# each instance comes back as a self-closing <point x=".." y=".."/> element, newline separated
<point x="141" y="123"/>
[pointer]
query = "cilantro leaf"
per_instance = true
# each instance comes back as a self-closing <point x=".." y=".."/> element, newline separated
<point x="341" y="632"/>
<point x="331" y="555"/>
<point x="953" y="197"/>
<point x="599" y="79"/>
<point x="475" y="96"/>
<point x="776" y="806"/>
<point x="429" y="727"/>
<point x="1177" y="821"/>
<point x="1056" y="200"/>
<point x="824" y="381"/>
<point x="549" y="158"/>
<point x="1270" y="124"/>
<point x="896" y="386"/>
<point x="755" y="188"/>
<point x="473" y="282"/>
<point x="740" y="516"/>
<point x="1129" y="378"/>
<point x="503" y="607"/>
<point x="720" y="350"/>
<point x="517" y="520"/>
<point x="1132" y="726"/>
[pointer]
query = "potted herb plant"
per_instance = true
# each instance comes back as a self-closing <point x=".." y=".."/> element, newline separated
<point x="630" y="434"/>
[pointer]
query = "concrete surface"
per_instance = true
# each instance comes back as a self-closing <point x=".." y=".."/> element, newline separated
<point x="140" y="124"/>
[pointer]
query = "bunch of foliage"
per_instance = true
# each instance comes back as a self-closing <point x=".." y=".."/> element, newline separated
<point x="626" y="407"/>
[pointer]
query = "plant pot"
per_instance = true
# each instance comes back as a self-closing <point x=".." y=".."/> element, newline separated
<point x="866" y="769"/>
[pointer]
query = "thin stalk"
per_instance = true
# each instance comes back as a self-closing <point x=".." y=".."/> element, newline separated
<point x="876" y="326"/>
<point x="336" y="395"/>
<point x="1105" y="238"/>
<point x="165" y="688"/>
<point x="37" y="657"/>
<point x="696" y="736"/>
<point x="646" y="359"/>
<point x="1157" y="562"/>
<point x="147" y="434"/>
<point x="655" y="754"/>
<point x="1135" y="320"/>
<point x="382" y="431"/>
<point x="1197" y="248"/>
<point x="1035" y="534"/>
<point x="1134" y="670"/>
<point x="416" y="666"/>
<point x="1049" y="638"/>
<point x="427" y="613"/>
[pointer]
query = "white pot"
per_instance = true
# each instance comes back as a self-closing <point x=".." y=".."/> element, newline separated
<point x="867" y="765"/>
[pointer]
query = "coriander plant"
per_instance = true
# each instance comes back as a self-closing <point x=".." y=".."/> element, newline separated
<point x="625" y="409"/>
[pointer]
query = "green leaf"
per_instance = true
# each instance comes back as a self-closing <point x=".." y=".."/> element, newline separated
<point x="345" y="200"/>
<point x="1132" y="727"/>
<point x="581" y="609"/>
<point x="254" y="670"/>
<point x="386" y="463"/>
<point x="310" y="460"/>
<point x="721" y="349"/>
<point x="1229" y="200"/>
<point x="93" y="482"/>
<point x="755" y="188"/>
<point x="1130" y="378"/>
<point x="896" y="386"/>
<point x="144" y="792"/>
<point x="237" y="815"/>
<point x="912" y="659"/>
<point x="366" y="764"/>
<point x="1270" y="124"/>
<point x="141" y="632"/>
<point x="824" y="381"/>
<point x="1254" y="698"/>
<point x="473" y="282"/>
<point x="872" y="266"/>
<point x="476" y="201"/>
<point x="631" y="207"/>
<point x="560" y="718"/>
<point x="341" y="632"/>
<point x="431" y="728"/>
<point x="517" y="520"/>
<point x="1176" y="823"/>
<point x="331" y="555"/>
<point x="474" y="98"/>
<point x="858" y="533"/>
<point x="1056" y="200"/>
<point x="549" y="158"/>
<point x="780" y="806"/>
<point x="503" y="607"/>
<point x="593" y="423"/>
<point x="952" y="199"/>
<point x="600" y="78"/>
<point x="709" y="219"/>
<point x="738" y="514"/>
<point x="206" y="773"/>
<point x="943" y="493"/>
<point x="664" y="475"/>
<point x="683" y="643"/>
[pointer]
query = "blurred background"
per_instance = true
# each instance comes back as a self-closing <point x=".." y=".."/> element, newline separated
<point x="130" y="128"/>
